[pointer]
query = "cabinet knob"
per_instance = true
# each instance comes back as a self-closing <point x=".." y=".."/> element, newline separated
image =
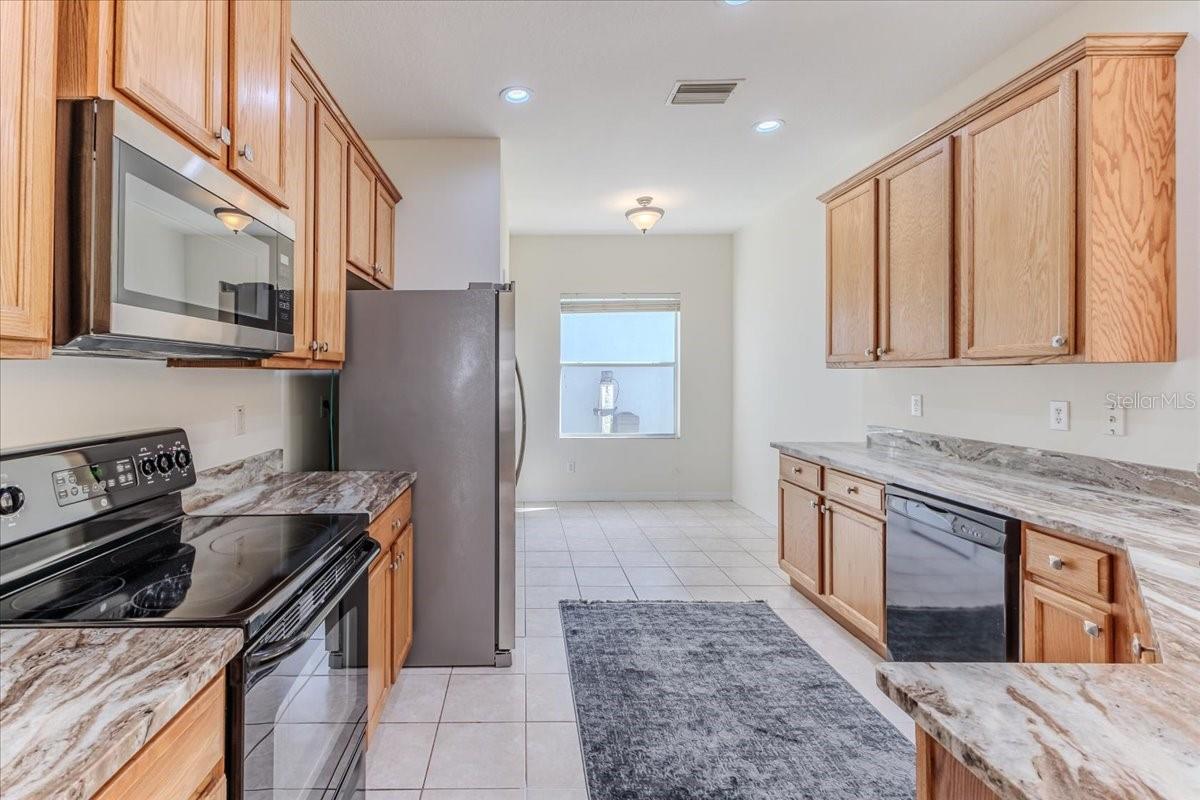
<point x="313" y="345"/>
<point x="851" y="490"/>
<point x="813" y="503"/>
<point x="879" y="351"/>
<point x="1055" y="562"/>
<point x="395" y="524"/>
<point x="1058" y="340"/>
<point x="797" y="470"/>
<point x="400" y="558"/>
<point x="869" y="352"/>
<point x="1091" y="629"/>
<point x="392" y="565"/>
<point x="222" y="134"/>
<point x="324" y="347"/>
<point x="1137" y="649"/>
<point x="247" y="152"/>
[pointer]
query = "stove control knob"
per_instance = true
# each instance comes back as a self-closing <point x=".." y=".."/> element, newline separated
<point x="164" y="462"/>
<point x="11" y="500"/>
<point x="146" y="465"/>
<point x="183" y="458"/>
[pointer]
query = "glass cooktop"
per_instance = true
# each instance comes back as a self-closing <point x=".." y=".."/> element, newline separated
<point x="189" y="570"/>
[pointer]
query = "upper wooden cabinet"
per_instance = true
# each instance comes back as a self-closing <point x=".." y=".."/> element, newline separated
<point x="27" y="43"/>
<point x="259" y="58"/>
<point x="1017" y="209"/>
<point x="1035" y="226"/>
<point x="360" y="215"/>
<point x="916" y="259"/>
<point x="851" y="276"/>
<point x="299" y="187"/>
<point x="329" y="262"/>
<point x="170" y="58"/>
<point x="385" y="236"/>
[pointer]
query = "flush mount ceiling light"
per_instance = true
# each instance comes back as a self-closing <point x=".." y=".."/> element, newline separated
<point x="733" y="2"/>
<point x="233" y="219"/>
<point x="516" y="95"/>
<point x="645" y="215"/>
<point x="768" y="125"/>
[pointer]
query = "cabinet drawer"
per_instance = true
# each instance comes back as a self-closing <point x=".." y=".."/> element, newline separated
<point x="1068" y="565"/>
<point x="851" y="489"/>
<point x="799" y="472"/>
<point x="388" y="525"/>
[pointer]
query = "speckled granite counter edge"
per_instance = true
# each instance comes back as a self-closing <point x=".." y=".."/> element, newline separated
<point x="109" y="691"/>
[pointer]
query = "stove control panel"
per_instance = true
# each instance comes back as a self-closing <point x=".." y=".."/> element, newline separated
<point x="50" y="487"/>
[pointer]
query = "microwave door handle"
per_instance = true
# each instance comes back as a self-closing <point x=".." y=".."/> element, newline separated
<point x="277" y="652"/>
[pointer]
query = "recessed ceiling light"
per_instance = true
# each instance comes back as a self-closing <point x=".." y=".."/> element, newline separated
<point x="516" y="95"/>
<point x="768" y="125"/>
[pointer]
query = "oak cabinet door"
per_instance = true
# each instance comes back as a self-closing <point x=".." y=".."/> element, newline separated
<point x="27" y="51"/>
<point x="298" y="186"/>
<point x="850" y="270"/>
<point x="1017" y="218"/>
<point x="800" y="534"/>
<point x="1059" y="629"/>
<point x="854" y="553"/>
<point x="379" y="632"/>
<point x="402" y="599"/>
<point x="360" y="214"/>
<point x="329" y="265"/>
<point x="170" y="57"/>
<point x="385" y="236"/>
<point x="915" y="259"/>
<point x="259" y="63"/>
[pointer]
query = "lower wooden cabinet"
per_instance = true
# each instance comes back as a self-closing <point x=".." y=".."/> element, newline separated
<point x="1062" y="630"/>
<point x="940" y="776"/>
<point x="854" y="553"/>
<point x="186" y="759"/>
<point x="389" y="604"/>
<point x="800" y="540"/>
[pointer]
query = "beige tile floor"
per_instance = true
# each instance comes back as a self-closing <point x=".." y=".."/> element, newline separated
<point x="482" y="733"/>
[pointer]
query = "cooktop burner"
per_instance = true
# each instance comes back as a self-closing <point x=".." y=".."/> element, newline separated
<point x="187" y="570"/>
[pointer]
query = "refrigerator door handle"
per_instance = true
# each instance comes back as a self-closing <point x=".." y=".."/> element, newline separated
<point x="524" y="421"/>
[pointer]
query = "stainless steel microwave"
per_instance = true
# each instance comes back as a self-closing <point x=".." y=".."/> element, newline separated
<point x="158" y="253"/>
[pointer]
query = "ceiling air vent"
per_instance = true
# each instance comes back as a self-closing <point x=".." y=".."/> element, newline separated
<point x="702" y="93"/>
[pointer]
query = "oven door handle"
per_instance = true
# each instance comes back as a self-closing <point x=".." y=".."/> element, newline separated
<point x="281" y="650"/>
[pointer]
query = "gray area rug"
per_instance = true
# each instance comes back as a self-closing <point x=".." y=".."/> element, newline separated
<point x="683" y="700"/>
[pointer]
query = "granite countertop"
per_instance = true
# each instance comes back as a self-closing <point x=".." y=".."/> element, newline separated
<point x="77" y="703"/>
<point x="1061" y="730"/>
<point x="345" y="492"/>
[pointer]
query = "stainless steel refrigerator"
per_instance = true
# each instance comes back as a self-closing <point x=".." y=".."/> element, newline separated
<point x="429" y="385"/>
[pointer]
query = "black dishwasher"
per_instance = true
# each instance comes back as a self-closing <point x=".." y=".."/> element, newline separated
<point x="952" y="581"/>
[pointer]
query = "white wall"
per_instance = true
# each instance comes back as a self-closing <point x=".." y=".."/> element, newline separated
<point x="694" y="466"/>
<point x="783" y="391"/>
<point x="71" y="397"/>
<point x="450" y="226"/>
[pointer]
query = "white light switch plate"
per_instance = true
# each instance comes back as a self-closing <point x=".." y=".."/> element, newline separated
<point x="916" y="405"/>
<point x="1060" y="415"/>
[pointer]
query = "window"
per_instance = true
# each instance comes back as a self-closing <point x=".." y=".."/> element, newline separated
<point x="619" y="366"/>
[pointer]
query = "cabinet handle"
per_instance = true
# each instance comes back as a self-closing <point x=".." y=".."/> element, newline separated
<point x="247" y="152"/>
<point x="851" y="490"/>
<point x="1091" y="629"/>
<point x="1137" y="648"/>
<point x="1056" y="562"/>
<point x="222" y="134"/>
<point x="1058" y="340"/>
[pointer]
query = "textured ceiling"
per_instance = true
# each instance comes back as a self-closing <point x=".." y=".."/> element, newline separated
<point x="598" y="132"/>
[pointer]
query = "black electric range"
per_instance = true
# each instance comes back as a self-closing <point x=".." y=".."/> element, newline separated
<point x="93" y="533"/>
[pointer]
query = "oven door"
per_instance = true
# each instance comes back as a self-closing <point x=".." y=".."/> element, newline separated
<point x="304" y="693"/>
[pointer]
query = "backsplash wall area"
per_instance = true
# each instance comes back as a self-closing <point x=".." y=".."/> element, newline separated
<point x="72" y="397"/>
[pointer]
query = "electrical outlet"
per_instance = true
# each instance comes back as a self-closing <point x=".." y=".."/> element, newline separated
<point x="916" y="405"/>
<point x="1114" y="420"/>
<point x="239" y="420"/>
<point x="1060" y="415"/>
<point x="570" y="465"/>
